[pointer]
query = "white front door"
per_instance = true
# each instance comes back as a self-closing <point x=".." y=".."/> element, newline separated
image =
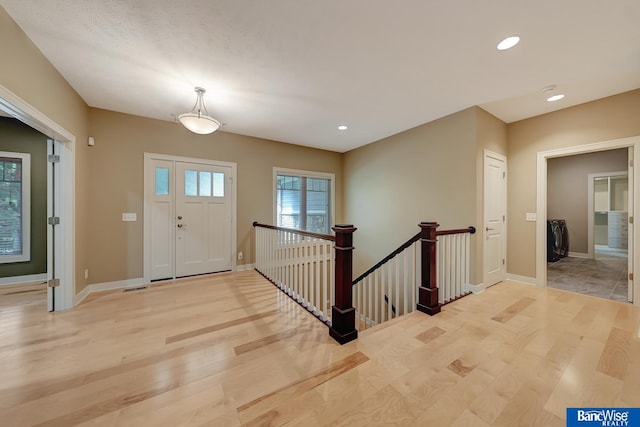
<point x="494" y="218"/>
<point x="189" y="216"/>
<point x="203" y="219"/>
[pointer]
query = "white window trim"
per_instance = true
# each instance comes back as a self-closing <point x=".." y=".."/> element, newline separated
<point x="307" y="174"/>
<point x="26" y="209"/>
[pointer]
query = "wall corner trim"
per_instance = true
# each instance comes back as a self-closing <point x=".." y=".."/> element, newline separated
<point x="477" y="289"/>
<point x="81" y="296"/>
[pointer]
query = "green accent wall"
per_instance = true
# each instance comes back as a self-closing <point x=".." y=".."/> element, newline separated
<point x="17" y="137"/>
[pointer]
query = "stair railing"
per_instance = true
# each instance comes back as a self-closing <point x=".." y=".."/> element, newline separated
<point x="427" y="271"/>
<point x="313" y="269"/>
<point x="389" y="288"/>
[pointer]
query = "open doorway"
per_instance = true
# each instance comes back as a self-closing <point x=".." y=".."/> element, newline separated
<point x="23" y="212"/>
<point x="587" y="223"/>
<point x="581" y="259"/>
<point x="60" y="198"/>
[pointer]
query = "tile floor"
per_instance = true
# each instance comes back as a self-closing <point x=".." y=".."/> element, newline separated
<point x="605" y="276"/>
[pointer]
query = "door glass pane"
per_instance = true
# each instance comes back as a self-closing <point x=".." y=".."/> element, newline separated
<point x="162" y="181"/>
<point x="218" y="184"/>
<point x="205" y="184"/>
<point x="190" y="183"/>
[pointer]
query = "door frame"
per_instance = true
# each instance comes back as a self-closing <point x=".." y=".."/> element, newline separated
<point x="503" y="158"/>
<point x="590" y="207"/>
<point x="541" y="201"/>
<point x="148" y="157"/>
<point x="64" y="199"/>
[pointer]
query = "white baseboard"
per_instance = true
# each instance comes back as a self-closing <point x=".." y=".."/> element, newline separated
<point x="108" y="286"/>
<point x="16" y="280"/>
<point x="245" y="267"/>
<point x="532" y="281"/>
<point x="476" y="289"/>
<point x="118" y="284"/>
<point x="77" y="299"/>
<point x="578" y="255"/>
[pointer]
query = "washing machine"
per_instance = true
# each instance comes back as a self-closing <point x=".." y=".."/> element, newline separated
<point x="557" y="239"/>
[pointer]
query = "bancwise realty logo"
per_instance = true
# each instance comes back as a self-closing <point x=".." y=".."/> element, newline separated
<point x="603" y="417"/>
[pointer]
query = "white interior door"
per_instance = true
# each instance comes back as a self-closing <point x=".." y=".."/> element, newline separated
<point x="203" y="217"/>
<point x="494" y="218"/>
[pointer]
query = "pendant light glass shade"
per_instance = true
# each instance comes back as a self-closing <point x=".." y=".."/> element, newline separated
<point x="198" y="119"/>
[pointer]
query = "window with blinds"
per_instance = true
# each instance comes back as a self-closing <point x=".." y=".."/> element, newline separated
<point x="303" y="202"/>
<point x="14" y="207"/>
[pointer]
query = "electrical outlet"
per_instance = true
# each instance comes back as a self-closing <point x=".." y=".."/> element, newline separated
<point x="240" y="256"/>
<point x="86" y="273"/>
<point x="129" y="216"/>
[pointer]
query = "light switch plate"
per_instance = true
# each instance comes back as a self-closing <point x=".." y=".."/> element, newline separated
<point x="531" y="216"/>
<point x="129" y="216"/>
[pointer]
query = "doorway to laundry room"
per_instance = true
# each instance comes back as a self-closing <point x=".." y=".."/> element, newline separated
<point x="588" y="200"/>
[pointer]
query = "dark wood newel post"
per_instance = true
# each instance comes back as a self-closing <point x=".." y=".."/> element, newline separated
<point x="428" y="291"/>
<point x="343" y="314"/>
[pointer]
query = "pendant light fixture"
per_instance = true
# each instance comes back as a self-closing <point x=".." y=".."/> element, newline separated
<point x="198" y="119"/>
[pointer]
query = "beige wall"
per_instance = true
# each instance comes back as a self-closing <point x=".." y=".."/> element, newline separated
<point x="427" y="173"/>
<point x="602" y="120"/>
<point x="117" y="162"/>
<point x="567" y="195"/>
<point x="491" y="134"/>
<point x="30" y="76"/>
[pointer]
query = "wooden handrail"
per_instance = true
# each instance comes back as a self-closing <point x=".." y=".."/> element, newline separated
<point x="471" y="230"/>
<point x="301" y="232"/>
<point x="388" y="258"/>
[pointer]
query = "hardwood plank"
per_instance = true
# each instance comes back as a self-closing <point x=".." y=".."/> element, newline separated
<point x="430" y="334"/>
<point x="513" y="310"/>
<point x="306" y="384"/>
<point x="218" y="327"/>
<point x="615" y="356"/>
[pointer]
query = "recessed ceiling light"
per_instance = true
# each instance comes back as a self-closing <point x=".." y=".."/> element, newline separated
<point x="342" y="127"/>
<point x="550" y="92"/>
<point x="508" y="43"/>
<point x="557" y="97"/>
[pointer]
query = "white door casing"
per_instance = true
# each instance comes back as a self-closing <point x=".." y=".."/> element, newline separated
<point x="203" y="240"/>
<point x="494" y="224"/>
<point x="541" y="203"/>
<point x="64" y="199"/>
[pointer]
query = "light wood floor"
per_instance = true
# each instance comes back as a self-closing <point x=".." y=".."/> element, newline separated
<point x="231" y="350"/>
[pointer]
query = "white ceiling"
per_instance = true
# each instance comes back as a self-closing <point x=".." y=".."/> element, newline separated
<point x="293" y="70"/>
